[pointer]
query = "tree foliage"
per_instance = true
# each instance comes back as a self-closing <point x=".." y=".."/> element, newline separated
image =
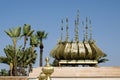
<point x="20" y="58"/>
<point x="41" y="35"/>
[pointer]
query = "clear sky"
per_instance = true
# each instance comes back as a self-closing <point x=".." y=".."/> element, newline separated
<point x="47" y="14"/>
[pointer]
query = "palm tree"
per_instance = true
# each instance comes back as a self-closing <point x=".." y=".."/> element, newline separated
<point x="33" y="42"/>
<point x="9" y="59"/>
<point x="19" y="59"/>
<point x="27" y="32"/>
<point x="41" y="35"/>
<point x="9" y="51"/>
<point x="31" y="58"/>
<point x="26" y="58"/>
<point x="14" y="33"/>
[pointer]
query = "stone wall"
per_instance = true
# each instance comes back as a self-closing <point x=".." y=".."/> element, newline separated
<point x="85" y="78"/>
<point x="80" y="73"/>
<point x="13" y="78"/>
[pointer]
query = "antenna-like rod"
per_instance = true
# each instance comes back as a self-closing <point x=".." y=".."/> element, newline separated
<point x="86" y="39"/>
<point x="83" y="31"/>
<point x="76" y="31"/>
<point x="67" y="30"/>
<point x="90" y="30"/>
<point x="61" y="30"/>
<point x="77" y="24"/>
<point x="78" y="15"/>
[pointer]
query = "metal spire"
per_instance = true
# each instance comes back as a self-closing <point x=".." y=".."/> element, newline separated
<point x="67" y="30"/>
<point x="61" y="30"/>
<point x="76" y="27"/>
<point x="86" y="39"/>
<point x="76" y="31"/>
<point x="83" y="31"/>
<point x="78" y="12"/>
<point x="90" y="30"/>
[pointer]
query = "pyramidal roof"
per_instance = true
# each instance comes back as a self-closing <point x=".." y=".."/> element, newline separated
<point x="77" y="50"/>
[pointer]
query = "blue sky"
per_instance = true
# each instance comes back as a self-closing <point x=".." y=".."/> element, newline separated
<point x="47" y="14"/>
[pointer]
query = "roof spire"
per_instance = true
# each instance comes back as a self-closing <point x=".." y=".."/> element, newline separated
<point x="86" y="39"/>
<point x="61" y="30"/>
<point x="78" y="12"/>
<point x="67" y="30"/>
<point x="90" y="30"/>
<point x="83" y="31"/>
<point x="76" y="31"/>
<point x="76" y="27"/>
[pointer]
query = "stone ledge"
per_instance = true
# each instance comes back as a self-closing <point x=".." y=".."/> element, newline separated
<point x="81" y="72"/>
<point x="13" y="77"/>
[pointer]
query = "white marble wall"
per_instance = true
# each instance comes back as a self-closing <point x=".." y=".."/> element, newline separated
<point x="80" y="73"/>
<point x="33" y="79"/>
<point x="85" y="78"/>
<point x="80" y="79"/>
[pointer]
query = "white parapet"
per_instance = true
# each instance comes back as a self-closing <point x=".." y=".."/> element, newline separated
<point x="81" y="73"/>
<point x="85" y="78"/>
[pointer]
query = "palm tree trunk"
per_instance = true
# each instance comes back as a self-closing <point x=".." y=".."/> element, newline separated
<point x="11" y="69"/>
<point x="33" y="47"/>
<point x="41" y="55"/>
<point x="15" y="59"/>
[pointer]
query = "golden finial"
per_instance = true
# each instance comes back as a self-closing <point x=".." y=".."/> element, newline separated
<point x="67" y="30"/>
<point x="42" y="76"/>
<point x="47" y="61"/>
<point x="86" y="39"/>
<point x="47" y="69"/>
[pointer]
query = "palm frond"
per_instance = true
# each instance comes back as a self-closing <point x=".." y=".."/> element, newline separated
<point x="26" y="29"/>
<point x="34" y="40"/>
<point x="30" y="32"/>
<point x="4" y="60"/>
<point x="14" y="32"/>
<point x="17" y="31"/>
<point x="103" y="60"/>
<point x="41" y="35"/>
<point x="9" y="33"/>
